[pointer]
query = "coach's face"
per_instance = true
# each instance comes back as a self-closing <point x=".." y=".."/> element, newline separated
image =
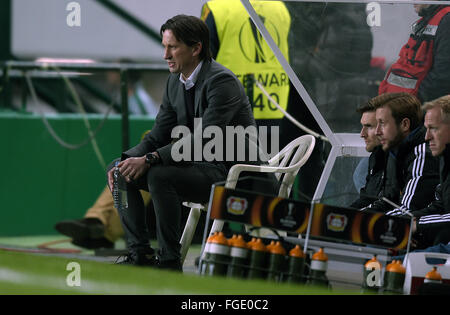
<point x="388" y="131"/>
<point x="438" y="131"/>
<point x="180" y="57"/>
<point x="368" y="130"/>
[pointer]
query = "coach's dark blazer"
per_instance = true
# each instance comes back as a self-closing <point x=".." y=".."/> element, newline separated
<point x="220" y="100"/>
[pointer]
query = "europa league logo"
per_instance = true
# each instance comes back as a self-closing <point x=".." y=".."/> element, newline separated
<point x="389" y="236"/>
<point x="257" y="51"/>
<point x="390" y="225"/>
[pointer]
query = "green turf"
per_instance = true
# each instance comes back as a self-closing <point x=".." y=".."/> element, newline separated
<point x="22" y="273"/>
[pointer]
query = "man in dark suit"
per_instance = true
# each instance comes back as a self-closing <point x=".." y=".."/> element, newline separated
<point x="200" y="88"/>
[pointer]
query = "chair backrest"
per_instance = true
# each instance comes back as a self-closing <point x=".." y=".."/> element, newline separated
<point x="285" y="164"/>
<point x="290" y="159"/>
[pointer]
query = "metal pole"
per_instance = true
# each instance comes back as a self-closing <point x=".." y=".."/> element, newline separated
<point x="308" y="229"/>
<point x="124" y="102"/>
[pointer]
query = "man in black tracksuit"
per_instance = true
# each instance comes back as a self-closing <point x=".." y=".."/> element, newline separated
<point x="433" y="222"/>
<point x="411" y="172"/>
<point x="374" y="179"/>
<point x="377" y="159"/>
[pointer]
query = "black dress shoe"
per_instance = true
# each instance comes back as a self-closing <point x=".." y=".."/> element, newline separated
<point x="87" y="233"/>
<point x="81" y="229"/>
<point x="145" y="257"/>
<point x="93" y="243"/>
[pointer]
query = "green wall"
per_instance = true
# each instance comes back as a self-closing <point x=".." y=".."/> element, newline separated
<point x="41" y="182"/>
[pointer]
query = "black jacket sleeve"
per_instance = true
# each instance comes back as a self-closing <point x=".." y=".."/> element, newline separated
<point x="437" y="214"/>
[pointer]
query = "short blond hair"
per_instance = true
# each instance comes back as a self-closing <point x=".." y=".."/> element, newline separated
<point x="443" y="103"/>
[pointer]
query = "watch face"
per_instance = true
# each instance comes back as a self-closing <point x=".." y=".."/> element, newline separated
<point x="149" y="158"/>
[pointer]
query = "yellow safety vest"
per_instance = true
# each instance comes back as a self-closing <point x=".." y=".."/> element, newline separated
<point x="244" y="51"/>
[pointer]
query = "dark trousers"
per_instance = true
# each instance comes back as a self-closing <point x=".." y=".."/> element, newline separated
<point x="169" y="186"/>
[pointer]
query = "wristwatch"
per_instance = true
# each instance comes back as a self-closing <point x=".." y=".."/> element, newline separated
<point x="152" y="158"/>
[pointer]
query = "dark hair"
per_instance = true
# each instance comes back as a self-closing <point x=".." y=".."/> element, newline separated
<point x="403" y="105"/>
<point x="367" y="107"/>
<point x="189" y="30"/>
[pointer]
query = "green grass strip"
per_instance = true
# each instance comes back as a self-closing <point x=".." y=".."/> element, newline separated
<point x="22" y="273"/>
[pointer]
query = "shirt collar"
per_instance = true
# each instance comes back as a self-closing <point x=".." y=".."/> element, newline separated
<point x="190" y="82"/>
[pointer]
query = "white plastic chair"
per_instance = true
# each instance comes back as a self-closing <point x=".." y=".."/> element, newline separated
<point x="287" y="162"/>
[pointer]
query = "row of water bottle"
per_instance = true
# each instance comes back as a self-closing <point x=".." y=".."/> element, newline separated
<point x="234" y="257"/>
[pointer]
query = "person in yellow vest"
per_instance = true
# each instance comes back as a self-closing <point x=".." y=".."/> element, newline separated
<point x="237" y="44"/>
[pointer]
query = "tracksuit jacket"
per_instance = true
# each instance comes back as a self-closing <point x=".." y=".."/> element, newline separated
<point x="435" y="218"/>
<point x="411" y="175"/>
<point x="374" y="179"/>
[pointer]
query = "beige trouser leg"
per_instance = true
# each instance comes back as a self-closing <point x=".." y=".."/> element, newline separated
<point x="104" y="210"/>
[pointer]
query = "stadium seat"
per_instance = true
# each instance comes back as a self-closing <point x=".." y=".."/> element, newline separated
<point x="285" y="165"/>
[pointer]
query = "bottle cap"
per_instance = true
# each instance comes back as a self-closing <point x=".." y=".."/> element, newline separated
<point x="211" y="237"/>
<point x="433" y="274"/>
<point x="238" y="241"/>
<point x="277" y="249"/>
<point x="396" y="267"/>
<point x="320" y="255"/>
<point x="259" y="246"/>
<point x="251" y="242"/>
<point x="268" y="247"/>
<point x="373" y="263"/>
<point x="220" y="239"/>
<point x="297" y="252"/>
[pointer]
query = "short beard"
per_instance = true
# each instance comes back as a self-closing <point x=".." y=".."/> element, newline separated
<point x="398" y="138"/>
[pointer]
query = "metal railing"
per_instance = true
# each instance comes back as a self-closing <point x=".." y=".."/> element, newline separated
<point x="122" y="68"/>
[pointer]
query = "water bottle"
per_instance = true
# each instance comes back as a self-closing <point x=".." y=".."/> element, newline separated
<point x="394" y="277"/>
<point x="219" y="255"/>
<point x="296" y="265"/>
<point x="372" y="275"/>
<point x="119" y="190"/>
<point x="258" y="257"/>
<point x="276" y="262"/>
<point x="205" y="256"/>
<point x="319" y="265"/>
<point x="239" y="255"/>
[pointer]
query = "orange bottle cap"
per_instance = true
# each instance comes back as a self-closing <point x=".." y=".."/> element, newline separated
<point x="251" y="242"/>
<point x="320" y="255"/>
<point x="272" y="244"/>
<point x="396" y="267"/>
<point x="211" y="237"/>
<point x="232" y="239"/>
<point x="297" y="252"/>
<point x="220" y="239"/>
<point x="238" y="241"/>
<point x="259" y="246"/>
<point x="433" y="274"/>
<point x="372" y="263"/>
<point x="277" y="249"/>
